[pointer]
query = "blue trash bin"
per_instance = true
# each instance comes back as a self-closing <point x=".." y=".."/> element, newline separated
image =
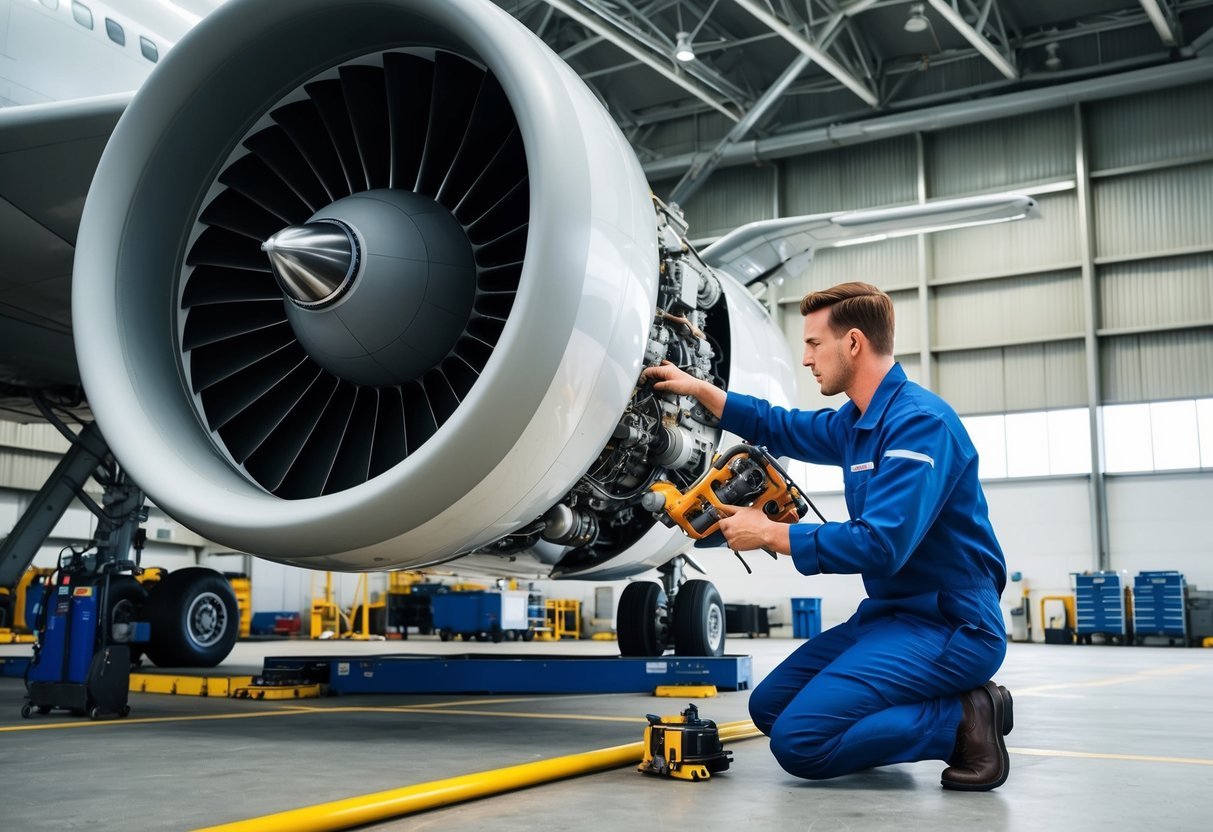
<point x="806" y="617"/>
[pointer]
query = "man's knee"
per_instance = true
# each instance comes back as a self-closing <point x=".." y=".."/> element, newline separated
<point x="802" y="751"/>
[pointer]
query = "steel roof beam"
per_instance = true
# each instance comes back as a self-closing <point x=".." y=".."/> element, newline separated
<point x="698" y="173"/>
<point x="1164" y="21"/>
<point x="810" y="49"/>
<point x="951" y="12"/>
<point x="600" y="28"/>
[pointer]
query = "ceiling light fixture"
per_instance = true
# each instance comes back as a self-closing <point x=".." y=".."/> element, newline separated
<point x="683" y="50"/>
<point x="917" y="21"/>
<point x="1053" y="62"/>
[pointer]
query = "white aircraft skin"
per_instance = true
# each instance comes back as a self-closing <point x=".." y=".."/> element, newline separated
<point x="541" y="420"/>
<point x="46" y="54"/>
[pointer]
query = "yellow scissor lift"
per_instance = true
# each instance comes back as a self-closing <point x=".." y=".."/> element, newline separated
<point x="329" y="620"/>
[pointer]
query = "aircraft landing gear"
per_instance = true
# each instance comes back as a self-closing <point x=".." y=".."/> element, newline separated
<point x="688" y="613"/>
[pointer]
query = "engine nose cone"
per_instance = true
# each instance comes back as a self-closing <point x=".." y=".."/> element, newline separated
<point x="313" y="263"/>
<point x="387" y="280"/>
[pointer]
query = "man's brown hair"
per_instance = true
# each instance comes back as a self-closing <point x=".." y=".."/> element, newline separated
<point x="859" y="306"/>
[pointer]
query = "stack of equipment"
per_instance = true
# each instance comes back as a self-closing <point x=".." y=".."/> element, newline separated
<point x="73" y="667"/>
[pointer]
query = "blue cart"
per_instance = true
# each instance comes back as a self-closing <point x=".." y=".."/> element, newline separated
<point x="483" y="616"/>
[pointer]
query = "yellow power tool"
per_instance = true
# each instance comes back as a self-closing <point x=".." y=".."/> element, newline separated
<point x="743" y="475"/>
<point x="683" y="746"/>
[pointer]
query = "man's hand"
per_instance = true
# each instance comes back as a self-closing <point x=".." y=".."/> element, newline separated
<point x="670" y="379"/>
<point x="748" y="529"/>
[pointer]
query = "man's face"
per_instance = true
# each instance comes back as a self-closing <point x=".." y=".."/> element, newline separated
<point x="826" y="355"/>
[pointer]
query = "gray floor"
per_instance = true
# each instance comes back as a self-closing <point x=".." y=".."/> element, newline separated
<point x="1104" y="736"/>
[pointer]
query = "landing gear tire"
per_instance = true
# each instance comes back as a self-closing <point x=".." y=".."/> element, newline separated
<point x="195" y="619"/>
<point x="698" y="620"/>
<point x="125" y="606"/>
<point x="643" y="619"/>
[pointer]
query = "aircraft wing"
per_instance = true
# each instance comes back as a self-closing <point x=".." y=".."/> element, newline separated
<point x="765" y="249"/>
<point x="48" y="153"/>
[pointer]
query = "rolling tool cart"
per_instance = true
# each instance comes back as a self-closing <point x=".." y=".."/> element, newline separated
<point x="74" y="667"/>
<point x="1158" y="607"/>
<point x="1101" y="599"/>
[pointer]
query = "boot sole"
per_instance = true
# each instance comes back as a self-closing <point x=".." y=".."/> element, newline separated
<point x="1008" y="711"/>
<point x="1000" y="698"/>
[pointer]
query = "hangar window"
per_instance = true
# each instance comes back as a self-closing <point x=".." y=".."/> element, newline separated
<point x="114" y="30"/>
<point x="1039" y="444"/>
<point x="1159" y="436"/>
<point x="83" y="14"/>
<point x="148" y="49"/>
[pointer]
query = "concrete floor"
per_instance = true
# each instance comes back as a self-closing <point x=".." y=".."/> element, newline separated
<point x="1104" y="736"/>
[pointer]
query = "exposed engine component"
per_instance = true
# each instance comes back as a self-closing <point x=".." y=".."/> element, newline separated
<point x="660" y="436"/>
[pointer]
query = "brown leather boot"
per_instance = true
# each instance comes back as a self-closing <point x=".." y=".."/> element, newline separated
<point x="980" y="761"/>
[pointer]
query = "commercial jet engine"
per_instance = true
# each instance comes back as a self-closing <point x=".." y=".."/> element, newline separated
<point x="366" y="286"/>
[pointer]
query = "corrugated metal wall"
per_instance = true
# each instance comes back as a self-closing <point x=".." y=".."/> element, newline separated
<point x="863" y="176"/>
<point x="1007" y="307"/>
<point x="994" y="155"/>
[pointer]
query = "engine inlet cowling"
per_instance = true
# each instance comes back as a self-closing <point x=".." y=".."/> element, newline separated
<point x="436" y="381"/>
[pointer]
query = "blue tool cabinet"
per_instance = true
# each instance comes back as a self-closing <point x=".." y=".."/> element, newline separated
<point x="1099" y="605"/>
<point x="1158" y="606"/>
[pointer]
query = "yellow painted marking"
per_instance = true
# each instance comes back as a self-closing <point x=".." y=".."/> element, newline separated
<point x="1140" y="676"/>
<point x="520" y="715"/>
<point x="144" y="720"/>
<point x="1090" y="755"/>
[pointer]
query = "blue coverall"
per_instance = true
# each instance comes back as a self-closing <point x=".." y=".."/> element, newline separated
<point x="883" y="687"/>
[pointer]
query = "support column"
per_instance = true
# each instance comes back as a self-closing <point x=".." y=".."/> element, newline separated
<point x="927" y="373"/>
<point x="1090" y="291"/>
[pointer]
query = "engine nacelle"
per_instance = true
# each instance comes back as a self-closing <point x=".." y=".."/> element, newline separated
<point x="458" y="339"/>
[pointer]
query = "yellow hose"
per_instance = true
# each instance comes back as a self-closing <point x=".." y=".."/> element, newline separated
<point x="380" y="806"/>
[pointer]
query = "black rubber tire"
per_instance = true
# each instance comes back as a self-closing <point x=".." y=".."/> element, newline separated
<point x="699" y="624"/>
<point x="497" y="635"/>
<point x="124" y="712"/>
<point x="125" y="603"/>
<point x="444" y="634"/>
<point x="528" y="634"/>
<point x="26" y="711"/>
<point x="195" y="619"/>
<point x="640" y="618"/>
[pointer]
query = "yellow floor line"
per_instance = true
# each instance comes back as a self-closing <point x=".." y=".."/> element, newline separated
<point x="1141" y="676"/>
<point x="1090" y="755"/>
<point x="88" y="723"/>
<point x="520" y="715"/>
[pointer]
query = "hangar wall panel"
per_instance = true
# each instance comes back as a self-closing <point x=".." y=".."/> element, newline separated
<point x="1017" y="378"/>
<point x="1161" y="521"/>
<point x="1029" y="245"/>
<point x="889" y="264"/>
<point x="32" y="437"/>
<point x="999" y="154"/>
<point x="1156" y="366"/>
<point x="861" y="176"/>
<point x="1158" y="126"/>
<point x="1171" y="291"/>
<point x="1154" y="211"/>
<point x="1010" y="309"/>
<point x="908" y="333"/>
<point x="730" y="198"/>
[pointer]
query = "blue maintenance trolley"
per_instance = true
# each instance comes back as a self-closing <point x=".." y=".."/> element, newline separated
<point x="493" y="673"/>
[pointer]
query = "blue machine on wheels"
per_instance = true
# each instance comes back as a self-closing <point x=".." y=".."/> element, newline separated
<point x="74" y="668"/>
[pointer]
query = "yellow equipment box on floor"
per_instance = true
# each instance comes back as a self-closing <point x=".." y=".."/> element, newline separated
<point x="683" y="746"/>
